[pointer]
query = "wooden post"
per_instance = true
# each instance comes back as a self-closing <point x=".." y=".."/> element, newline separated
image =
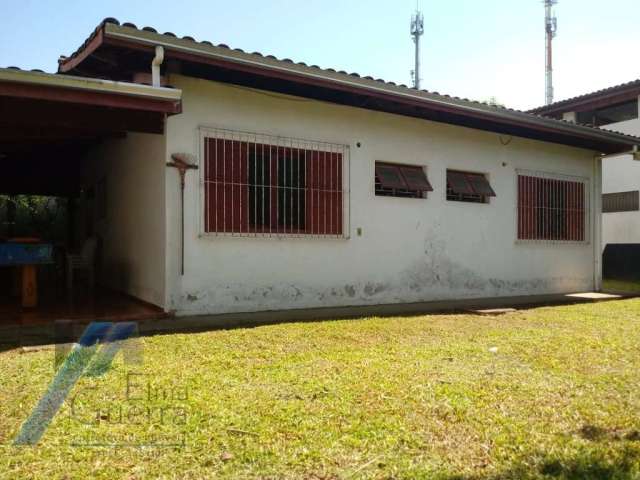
<point x="29" y="286"/>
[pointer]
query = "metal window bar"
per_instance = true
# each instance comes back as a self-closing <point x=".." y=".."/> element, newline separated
<point x="552" y="208"/>
<point x="265" y="185"/>
<point x="469" y="196"/>
<point x="621" y="202"/>
<point x="206" y="174"/>
<point x="381" y="191"/>
<point x="386" y="191"/>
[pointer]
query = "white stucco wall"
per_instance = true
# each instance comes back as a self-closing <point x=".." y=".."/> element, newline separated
<point x="410" y="250"/>
<point x="133" y="232"/>
<point x="621" y="174"/>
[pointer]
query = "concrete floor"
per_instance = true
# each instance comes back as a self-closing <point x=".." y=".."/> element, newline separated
<point x="82" y="307"/>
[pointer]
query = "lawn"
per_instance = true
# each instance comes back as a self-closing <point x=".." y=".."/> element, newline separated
<point x="541" y="393"/>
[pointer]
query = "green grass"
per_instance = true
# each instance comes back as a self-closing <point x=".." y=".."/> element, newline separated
<point x="413" y="397"/>
<point x="622" y="286"/>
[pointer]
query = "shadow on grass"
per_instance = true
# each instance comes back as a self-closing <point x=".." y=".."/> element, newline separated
<point x="607" y="463"/>
<point x="13" y="336"/>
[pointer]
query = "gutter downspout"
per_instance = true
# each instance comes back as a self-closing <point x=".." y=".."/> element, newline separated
<point x="597" y="223"/>
<point x="155" y="66"/>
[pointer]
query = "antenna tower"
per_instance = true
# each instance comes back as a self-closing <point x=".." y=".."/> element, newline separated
<point x="417" y="29"/>
<point x="551" y="29"/>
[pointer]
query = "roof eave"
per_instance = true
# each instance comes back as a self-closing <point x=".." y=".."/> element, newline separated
<point x="187" y="49"/>
<point x="67" y="88"/>
<point x="609" y="96"/>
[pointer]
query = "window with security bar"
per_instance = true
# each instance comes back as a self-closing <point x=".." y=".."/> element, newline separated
<point x="468" y="187"/>
<point x="405" y="181"/>
<point x="257" y="185"/>
<point x="552" y="208"/>
<point x="621" y="202"/>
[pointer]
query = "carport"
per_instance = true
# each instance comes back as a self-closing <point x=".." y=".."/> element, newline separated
<point x="49" y="124"/>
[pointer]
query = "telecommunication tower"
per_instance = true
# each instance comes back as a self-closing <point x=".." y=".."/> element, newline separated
<point x="417" y="29"/>
<point x="551" y="29"/>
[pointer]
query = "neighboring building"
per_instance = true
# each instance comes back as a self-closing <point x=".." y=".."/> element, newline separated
<point x="320" y="188"/>
<point x="615" y="109"/>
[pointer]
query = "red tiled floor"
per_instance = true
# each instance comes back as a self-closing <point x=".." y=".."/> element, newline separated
<point x="83" y="307"/>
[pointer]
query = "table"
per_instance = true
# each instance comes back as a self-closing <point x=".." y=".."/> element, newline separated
<point x="26" y="256"/>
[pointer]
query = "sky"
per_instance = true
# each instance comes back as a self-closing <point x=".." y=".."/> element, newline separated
<point x="472" y="49"/>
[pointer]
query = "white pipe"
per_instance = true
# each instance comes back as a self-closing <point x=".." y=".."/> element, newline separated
<point x="155" y="66"/>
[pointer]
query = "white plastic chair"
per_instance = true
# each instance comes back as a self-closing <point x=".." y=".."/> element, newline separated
<point x="85" y="260"/>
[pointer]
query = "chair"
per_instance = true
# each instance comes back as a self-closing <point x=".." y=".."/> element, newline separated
<point x="85" y="261"/>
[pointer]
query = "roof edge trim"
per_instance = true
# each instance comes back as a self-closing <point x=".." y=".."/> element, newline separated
<point x="91" y="84"/>
<point x="116" y="31"/>
<point x="586" y="99"/>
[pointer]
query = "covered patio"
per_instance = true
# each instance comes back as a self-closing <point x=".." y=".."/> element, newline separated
<point x="83" y="307"/>
<point x="52" y="129"/>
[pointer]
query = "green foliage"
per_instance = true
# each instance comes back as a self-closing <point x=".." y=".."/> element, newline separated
<point x="35" y="216"/>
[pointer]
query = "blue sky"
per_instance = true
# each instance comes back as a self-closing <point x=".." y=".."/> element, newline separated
<point x="471" y="48"/>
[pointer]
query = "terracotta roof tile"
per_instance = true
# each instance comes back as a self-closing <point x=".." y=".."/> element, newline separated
<point x="532" y="113"/>
<point x="596" y="93"/>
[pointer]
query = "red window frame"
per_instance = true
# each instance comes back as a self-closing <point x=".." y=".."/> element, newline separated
<point x="468" y="187"/>
<point x="415" y="178"/>
<point x="386" y="173"/>
<point x="480" y="184"/>
<point x="552" y="209"/>
<point x="298" y="190"/>
<point x="396" y="180"/>
<point x="458" y="183"/>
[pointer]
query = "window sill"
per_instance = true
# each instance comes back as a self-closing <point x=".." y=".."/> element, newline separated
<point x="392" y="197"/>
<point x="571" y="243"/>
<point x="462" y="202"/>
<point x="309" y="236"/>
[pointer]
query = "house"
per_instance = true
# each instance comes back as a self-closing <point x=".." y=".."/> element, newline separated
<point x="615" y="109"/>
<point x="313" y="187"/>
